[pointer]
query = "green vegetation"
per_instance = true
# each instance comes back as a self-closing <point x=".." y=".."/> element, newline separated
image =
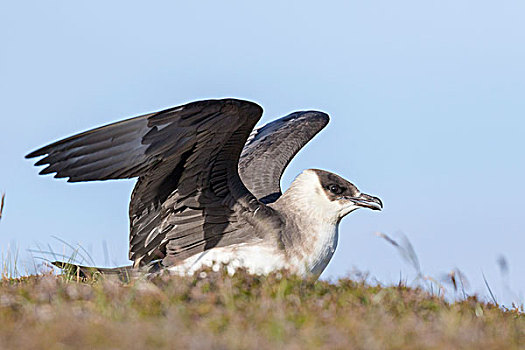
<point x="217" y="311"/>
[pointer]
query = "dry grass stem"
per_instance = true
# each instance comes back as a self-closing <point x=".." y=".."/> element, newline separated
<point x="2" y="201"/>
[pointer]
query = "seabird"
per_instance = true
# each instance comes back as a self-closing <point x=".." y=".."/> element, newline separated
<point x="208" y="188"/>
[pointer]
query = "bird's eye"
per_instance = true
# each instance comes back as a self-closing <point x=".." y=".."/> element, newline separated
<point x="335" y="189"/>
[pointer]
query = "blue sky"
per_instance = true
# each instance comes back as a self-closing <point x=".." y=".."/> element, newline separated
<point x="426" y="100"/>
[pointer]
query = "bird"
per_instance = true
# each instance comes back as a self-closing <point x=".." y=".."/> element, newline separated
<point x="208" y="189"/>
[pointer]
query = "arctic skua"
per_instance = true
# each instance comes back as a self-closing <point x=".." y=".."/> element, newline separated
<point x="208" y="188"/>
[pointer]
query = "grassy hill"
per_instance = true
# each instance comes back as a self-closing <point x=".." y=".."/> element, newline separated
<point x="244" y="312"/>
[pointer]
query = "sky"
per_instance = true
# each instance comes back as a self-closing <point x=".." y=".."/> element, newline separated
<point x="426" y="99"/>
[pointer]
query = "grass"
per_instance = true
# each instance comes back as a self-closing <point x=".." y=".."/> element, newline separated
<point x="9" y="263"/>
<point x="217" y="311"/>
<point x="2" y="201"/>
<point x="213" y="310"/>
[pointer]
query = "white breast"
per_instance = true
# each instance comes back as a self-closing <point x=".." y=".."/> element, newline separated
<point x="323" y="248"/>
<point x="263" y="259"/>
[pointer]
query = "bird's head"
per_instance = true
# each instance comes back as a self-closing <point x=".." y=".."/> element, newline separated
<point x="329" y="195"/>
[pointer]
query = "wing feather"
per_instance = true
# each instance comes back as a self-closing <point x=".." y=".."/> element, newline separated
<point x="189" y="195"/>
<point x="270" y="149"/>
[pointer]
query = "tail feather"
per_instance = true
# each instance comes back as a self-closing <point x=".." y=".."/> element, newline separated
<point x="123" y="272"/>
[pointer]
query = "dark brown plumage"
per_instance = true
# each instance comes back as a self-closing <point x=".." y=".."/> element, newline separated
<point x="189" y="196"/>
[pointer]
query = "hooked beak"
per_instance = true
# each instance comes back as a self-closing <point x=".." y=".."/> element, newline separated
<point x="367" y="201"/>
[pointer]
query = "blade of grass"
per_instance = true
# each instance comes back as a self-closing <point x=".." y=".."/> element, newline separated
<point x="2" y="202"/>
<point x="490" y="290"/>
<point x="55" y="256"/>
<point x="77" y="250"/>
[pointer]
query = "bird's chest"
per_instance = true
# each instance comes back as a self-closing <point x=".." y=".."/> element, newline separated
<point x="317" y="247"/>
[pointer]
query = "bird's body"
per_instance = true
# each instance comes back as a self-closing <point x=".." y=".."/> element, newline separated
<point x="208" y="187"/>
<point x="305" y="244"/>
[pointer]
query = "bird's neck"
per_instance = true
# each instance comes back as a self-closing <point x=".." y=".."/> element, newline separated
<point x="307" y="198"/>
<point x="311" y="230"/>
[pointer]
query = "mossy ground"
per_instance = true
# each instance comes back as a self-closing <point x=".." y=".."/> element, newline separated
<point x="244" y="312"/>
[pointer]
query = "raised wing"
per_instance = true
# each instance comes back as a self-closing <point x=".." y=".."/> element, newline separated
<point x="189" y="196"/>
<point x="114" y="151"/>
<point x="270" y="149"/>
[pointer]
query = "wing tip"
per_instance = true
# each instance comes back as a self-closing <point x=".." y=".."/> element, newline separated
<point x="309" y="115"/>
<point x="37" y="153"/>
<point x="324" y="117"/>
<point x="250" y="105"/>
<point x="318" y="115"/>
<point x="45" y="171"/>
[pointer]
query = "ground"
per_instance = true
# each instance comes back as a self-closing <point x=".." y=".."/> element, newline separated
<point x="217" y="311"/>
